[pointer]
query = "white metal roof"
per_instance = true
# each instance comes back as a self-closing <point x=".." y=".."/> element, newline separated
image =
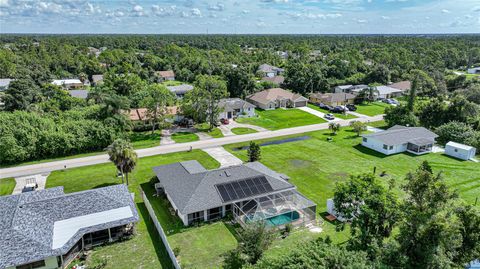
<point x="459" y="146"/>
<point x="64" y="230"/>
<point x="61" y="82"/>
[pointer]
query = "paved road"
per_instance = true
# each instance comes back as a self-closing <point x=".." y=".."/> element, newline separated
<point x="78" y="162"/>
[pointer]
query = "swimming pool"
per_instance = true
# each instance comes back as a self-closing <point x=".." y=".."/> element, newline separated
<point x="283" y="219"/>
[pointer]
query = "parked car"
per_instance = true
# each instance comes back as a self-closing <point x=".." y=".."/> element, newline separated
<point x="224" y="121"/>
<point x="329" y="116"/>
<point x="351" y="107"/>
<point x="329" y="108"/>
<point x="390" y="101"/>
<point x="338" y="109"/>
<point x="322" y="105"/>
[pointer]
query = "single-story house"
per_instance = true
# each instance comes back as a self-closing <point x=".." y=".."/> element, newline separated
<point x="68" y="83"/>
<point x="416" y="140"/>
<point x="48" y="228"/>
<point x="460" y="151"/>
<point x="384" y="92"/>
<point x="270" y="70"/>
<point x="164" y="75"/>
<point x="4" y="83"/>
<point x="277" y="98"/>
<point x="332" y="99"/>
<point x="251" y="192"/>
<point x="234" y="108"/>
<point x="475" y="70"/>
<point x="276" y="79"/>
<point x="97" y="80"/>
<point x="349" y="88"/>
<point x="82" y="94"/>
<point x="404" y="86"/>
<point x="180" y="90"/>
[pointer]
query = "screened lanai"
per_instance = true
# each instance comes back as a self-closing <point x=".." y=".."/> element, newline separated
<point x="276" y="209"/>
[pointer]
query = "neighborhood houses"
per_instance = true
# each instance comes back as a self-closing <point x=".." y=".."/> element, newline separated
<point x="332" y="99"/>
<point x="270" y="71"/>
<point x="68" y="84"/>
<point x="232" y="108"/>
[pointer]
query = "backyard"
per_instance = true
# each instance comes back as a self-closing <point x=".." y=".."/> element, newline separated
<point x="315" y="164"/>
<point x="371" y="109"/>
<point x="337" y="115"/>
<point x="281" y="118"/>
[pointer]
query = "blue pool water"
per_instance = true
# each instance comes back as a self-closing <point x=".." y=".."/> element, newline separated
<point x="283" y="219"/>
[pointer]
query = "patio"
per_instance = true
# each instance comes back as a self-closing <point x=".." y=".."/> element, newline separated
<point x="420" y="146"/>
<point x="276" y="209"/>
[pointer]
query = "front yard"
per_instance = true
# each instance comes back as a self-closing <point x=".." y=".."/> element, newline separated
<point x="337" y="115"/>
<point x="6" y="186"/>
<point x="243" y="130"/>
<point x="281" y="118"/>
<point x="372" y="109"/>
<point x="184" y="137"/>
<point x="145" y="249"/>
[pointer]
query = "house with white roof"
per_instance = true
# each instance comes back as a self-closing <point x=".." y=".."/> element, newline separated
<point x="48" y="228"/>
<point x="460" y="151"/>
<point x="416" y="140"/>
<point x="4" y="83"/>
<point x="383" y="92"/>
<point x="68" y="84"/>
<point x="475" y="70"/>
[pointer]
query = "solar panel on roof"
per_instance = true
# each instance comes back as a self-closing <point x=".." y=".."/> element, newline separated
<point x="243" y="188"/>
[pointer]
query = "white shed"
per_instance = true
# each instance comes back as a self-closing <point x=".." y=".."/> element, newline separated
<point x="459" y="151"/>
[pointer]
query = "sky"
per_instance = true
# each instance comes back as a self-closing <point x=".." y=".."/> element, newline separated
<point x="240" y="16"/>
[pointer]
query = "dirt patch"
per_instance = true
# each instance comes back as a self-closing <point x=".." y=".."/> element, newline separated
<point x="300" y="163"/>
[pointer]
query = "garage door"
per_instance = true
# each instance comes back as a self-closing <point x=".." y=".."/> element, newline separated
<point x="301" y="103"/>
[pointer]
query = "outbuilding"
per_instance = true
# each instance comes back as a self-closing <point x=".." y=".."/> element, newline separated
<point x="459" y="151"/>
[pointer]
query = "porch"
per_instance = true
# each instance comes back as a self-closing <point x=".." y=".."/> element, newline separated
<point x="420" y="146"/>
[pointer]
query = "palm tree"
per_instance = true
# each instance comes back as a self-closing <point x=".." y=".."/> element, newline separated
<point x="334" y="127"/>
<point x="123" y="156"/>
<point x="369" y="93"/>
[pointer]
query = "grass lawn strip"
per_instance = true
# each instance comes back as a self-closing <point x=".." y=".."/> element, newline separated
<point x="145" y="139"/>
<point x="281" y="118"/>
<point x="7" y="185"/>
<point x="205" y="127"/>
<point x="243" y="130"/>
<point x="184" y="137"/>
<point x="372" y="109"/>
<point x="145" y="249"/>
<point x="337" y="115"/>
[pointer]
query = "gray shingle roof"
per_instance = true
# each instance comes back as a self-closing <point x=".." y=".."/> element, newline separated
<point x="193" y="192"/>
<point x="180" y="89"/>
<point x="27" y="220"/>
<point x="401" y="134"/>
<point x="83" y="94"/>
<point x="230" y="104"/>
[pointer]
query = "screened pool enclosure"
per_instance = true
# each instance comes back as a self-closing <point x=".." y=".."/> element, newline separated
<point x="276" y="210"/>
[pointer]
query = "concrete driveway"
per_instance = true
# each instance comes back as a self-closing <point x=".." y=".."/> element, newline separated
<point x="40" y="179"/>
<point x="227" y="129"/>
<point x="317" y="113"/>
<point x="224" y="157"/>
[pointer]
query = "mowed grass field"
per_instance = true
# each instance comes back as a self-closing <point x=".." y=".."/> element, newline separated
<point x="281" y="118"/>
<point x="145" y="249"/>
<point x="372" y="109"/>
<point x="316" y="165"/>
<point x="6" y="186"/>
<point x="184" y="137"/>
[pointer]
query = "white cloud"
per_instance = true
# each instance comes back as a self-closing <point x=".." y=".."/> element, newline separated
<point x="138" y="8"/>
<point x="196" y="12"/>
<point x="445" y="11"/>
<point x="385" y="17"/>
<point x="476" y="9"/>
<point x="217" y="7"/>
<point x="362" y="21"/>
<point x="4" y="3"/>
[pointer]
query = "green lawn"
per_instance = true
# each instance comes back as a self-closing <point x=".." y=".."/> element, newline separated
<point x="145" y="249"/>
<point x="315" y="165"/>
<point x="6" y="186"/>
<point x="243" y="130"/>
<point x="183" y="137"/>
<point x="145" y="139"/>
<point x="281" y="118"/>
<point x="372" y="109"/>
<point x="378" y="124"/>
<point x="205" y="127"/>
<point x="337" y="115"/>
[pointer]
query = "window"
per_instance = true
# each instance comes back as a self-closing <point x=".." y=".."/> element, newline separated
<point x="391" y="147"/>
<point x="365" y="139"/>
<point x="456" y="150"/>
<point x="385" y="146"/>
<point x="195" y="217"/>
<point x="32" y="265"/>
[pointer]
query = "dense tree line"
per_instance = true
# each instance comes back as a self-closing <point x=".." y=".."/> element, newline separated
<point x="222" y="66"/>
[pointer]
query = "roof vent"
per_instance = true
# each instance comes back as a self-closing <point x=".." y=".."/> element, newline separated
<point x="227" y="173"/>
